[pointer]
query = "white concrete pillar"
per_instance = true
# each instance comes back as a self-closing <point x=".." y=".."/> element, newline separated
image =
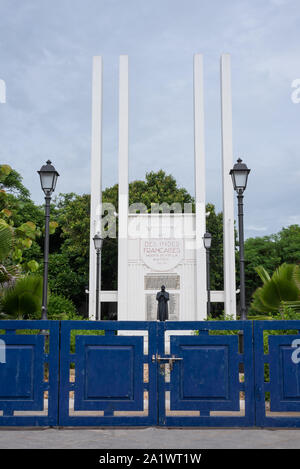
<point x="96" y="177"/>
<point x="228" y="197"/>
<point x="123" y="191"/>
<point x="201" y="293"/>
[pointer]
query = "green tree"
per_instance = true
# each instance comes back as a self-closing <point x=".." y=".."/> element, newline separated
<point x="11" y="182"/>
<point x="214" y="225"/>
<point x="270" y="252"/>
<point x="288" y="244"/>
<point x="73" y="216"/>
<point x="17" y="212"/>
<point x="260" y="251"/>
<point x="158" y="188"/>
<point x="69" y="265"/>
<point x="8" y="272"/>
<point x="66" y="277"/>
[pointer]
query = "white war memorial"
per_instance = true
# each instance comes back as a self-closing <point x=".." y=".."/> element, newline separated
<point x="156" y="249"/>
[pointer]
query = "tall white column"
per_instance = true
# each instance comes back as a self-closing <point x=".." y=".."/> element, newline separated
<point x="96" y="170"/>
<point x="201" y="293"/>
<point x="123" y="191"/>
<point x="228" y="198"/>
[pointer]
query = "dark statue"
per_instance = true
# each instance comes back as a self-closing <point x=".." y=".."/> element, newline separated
<point x="162" y="307"/>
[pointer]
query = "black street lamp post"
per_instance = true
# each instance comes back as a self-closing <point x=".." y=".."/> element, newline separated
<point x="207" y="245"/>
<point x="98" y="242"/>
<point x="239" y="174"/>
<point x="48" y="176"/>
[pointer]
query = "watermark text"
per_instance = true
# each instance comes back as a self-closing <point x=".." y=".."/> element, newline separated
<point x="2" y="92"/>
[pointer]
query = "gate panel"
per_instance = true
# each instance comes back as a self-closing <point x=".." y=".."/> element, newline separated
<point x="29" y="373"/>
<point x="107" y="373"/>
<point x="203" y="379"/>
<point x="277" y="373"/>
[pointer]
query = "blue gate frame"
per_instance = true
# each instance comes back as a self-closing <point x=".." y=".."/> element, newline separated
<point x="29" y="368"/>
<point x="277" y="373"/>
<point x="111" y="373"/>
<point x="206" y="382"/>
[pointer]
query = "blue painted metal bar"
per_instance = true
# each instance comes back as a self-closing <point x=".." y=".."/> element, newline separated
<point x="161" y="326"/>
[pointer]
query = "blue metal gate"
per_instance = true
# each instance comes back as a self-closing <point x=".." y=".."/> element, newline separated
<point x="206" y="382"/>
<point x="107" y="376"/>
<point x="94" y="373"/>
<point x="277" y="373"/>
<point x="29" y="373"/>
<point x="149" y="373"/>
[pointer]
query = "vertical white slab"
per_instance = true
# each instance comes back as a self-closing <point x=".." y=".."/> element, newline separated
<point x="201" y="293"/>
<point x="96" y="183"/>
<point x="123" y="191"/>
<point x="228" y="197"/>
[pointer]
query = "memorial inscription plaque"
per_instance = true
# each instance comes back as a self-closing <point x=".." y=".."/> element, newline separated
<point x="162" y="254"/>
<point x="155" y="281"/>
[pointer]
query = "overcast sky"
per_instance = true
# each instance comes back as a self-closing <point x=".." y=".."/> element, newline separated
<point x="46" y="50"/>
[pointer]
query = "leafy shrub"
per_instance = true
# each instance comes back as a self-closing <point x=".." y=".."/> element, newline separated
<point x="61" y="308"/>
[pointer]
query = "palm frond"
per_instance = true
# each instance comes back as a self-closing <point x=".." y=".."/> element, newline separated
<point x="280" y="288"/>
<point x="294" y="305"/>
<point x="263" y="274"/>
<point x="258" y="303"/>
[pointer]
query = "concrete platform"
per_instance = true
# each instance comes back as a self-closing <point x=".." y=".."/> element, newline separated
<point x="144" y="438"/>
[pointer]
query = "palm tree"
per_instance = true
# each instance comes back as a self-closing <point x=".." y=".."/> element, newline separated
<point x="24" y="298"/>
<point x="283" y="288"/>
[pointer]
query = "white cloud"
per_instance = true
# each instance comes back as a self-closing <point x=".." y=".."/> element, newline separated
<point x="256" y="228"/>
<point x="293" y="220"/>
